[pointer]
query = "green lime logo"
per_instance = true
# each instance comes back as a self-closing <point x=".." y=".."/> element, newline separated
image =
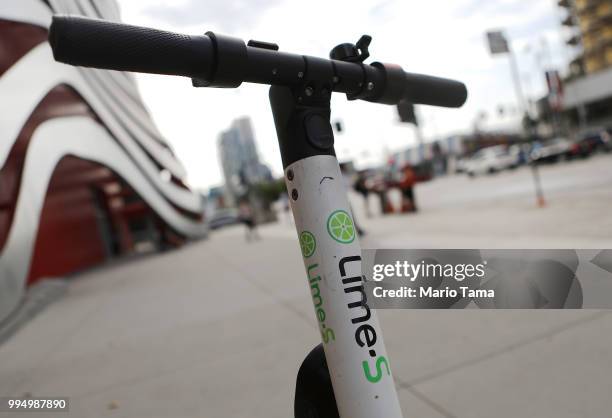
<point x="340" y="227"/>
<point x="308" y="243"/>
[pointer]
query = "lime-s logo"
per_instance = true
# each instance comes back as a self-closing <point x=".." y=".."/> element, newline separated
<point x="327" y="334"/>
<point x="379" y="373"/>
<point x="308" y="244"/>
<point x="340" y="227"/>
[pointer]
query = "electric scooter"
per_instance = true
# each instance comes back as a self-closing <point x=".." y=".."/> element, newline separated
<point x="348" y="375"/>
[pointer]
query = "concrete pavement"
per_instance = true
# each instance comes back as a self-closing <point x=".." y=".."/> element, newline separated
<point x="219" y="327"/>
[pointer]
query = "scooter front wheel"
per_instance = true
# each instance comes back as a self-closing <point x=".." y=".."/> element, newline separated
<point x="314" y="395"/>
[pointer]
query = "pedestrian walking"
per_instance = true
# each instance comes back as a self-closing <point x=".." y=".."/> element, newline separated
<point x="406" y="185"/>
<point x="361" y="187"/>
<point x="348" y="183"/>
<point x="246" y="217"/>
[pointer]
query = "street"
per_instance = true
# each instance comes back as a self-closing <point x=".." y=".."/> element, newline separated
<point x="219" y="327"/>
<point x="500" y="210"/>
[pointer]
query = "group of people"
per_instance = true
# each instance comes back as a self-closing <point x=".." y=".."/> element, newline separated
<point x="404" y="180"/>
<point x="364" y="184"/>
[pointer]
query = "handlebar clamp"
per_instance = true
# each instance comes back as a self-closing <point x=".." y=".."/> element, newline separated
<point x="231" y="63"/>
<point x="394" y="82"/>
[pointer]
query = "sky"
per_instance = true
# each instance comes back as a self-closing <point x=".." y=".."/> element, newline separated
<point x="443" y="37"/>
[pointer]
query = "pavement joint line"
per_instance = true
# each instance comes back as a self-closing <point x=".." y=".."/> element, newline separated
<point x="71" y="332"/>
<point x="36" y="299"/>
<point x="135" y="380"/>
<point x="68" y="335"/>
<point x="151" y="376"/>
<point x="267" y="290"/>
<point x="495" y="353"/>
<point x="430" y="402"/>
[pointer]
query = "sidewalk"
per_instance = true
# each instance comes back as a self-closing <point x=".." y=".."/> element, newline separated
<point x="219" y="328"/>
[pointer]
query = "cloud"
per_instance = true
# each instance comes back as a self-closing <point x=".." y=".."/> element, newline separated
<point x="497" y="8"/>
<point x="439" y="37"/>
<point x="230" y="14"/>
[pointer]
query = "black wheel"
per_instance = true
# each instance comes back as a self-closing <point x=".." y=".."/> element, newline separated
<point x="314" y="395"/>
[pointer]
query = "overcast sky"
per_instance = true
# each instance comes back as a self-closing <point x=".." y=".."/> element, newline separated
<point x="440" y="37"/>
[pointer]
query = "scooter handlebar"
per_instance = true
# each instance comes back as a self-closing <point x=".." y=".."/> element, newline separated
<point x="98" y="43"/>
<point x="434" y="91"/>
<point x="226" y="62"/>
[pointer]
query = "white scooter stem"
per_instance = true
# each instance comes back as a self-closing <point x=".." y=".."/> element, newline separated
<point x="352" y="339"/>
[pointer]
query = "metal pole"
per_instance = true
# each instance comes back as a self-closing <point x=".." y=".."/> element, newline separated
<point x="517" y="80"/>
<point x="420" y="142"/>
<point x="538" y="185"/>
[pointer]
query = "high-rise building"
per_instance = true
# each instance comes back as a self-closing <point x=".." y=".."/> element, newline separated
<point x="586" y="97"/>
<point x="591" y="21"/>
<point x="240" y="160"/>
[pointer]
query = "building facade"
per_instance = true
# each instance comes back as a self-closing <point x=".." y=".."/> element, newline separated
<point x="587" y="94"/>
<point x="85" y="176"/>
<point x="591" y="21"/>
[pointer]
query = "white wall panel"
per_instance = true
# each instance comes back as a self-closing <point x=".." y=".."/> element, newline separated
<point x="53" y="140"/>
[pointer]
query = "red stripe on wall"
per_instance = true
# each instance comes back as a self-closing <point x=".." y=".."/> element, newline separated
<point x="16" y="39"/>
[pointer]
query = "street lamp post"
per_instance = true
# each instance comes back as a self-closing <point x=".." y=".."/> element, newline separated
<point x="498" y="44"/>
<point x="517" y="80"/>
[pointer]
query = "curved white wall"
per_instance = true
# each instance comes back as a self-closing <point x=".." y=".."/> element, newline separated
<point x="128" y="143"/>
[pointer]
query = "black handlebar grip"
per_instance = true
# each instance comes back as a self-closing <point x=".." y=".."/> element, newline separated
<point x="114" y="46"/>
<point x="434" y="91"/>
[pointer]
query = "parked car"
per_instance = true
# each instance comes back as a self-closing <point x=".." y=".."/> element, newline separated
<point x="223" y="217"/>
<point x="551" y="151"/>
<point x="492" y="159"/>
<point x="460" y="165"/>
<point x="580" y="148"/>
<point x="599" y="139"/>
<point x="607" y="140"/>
